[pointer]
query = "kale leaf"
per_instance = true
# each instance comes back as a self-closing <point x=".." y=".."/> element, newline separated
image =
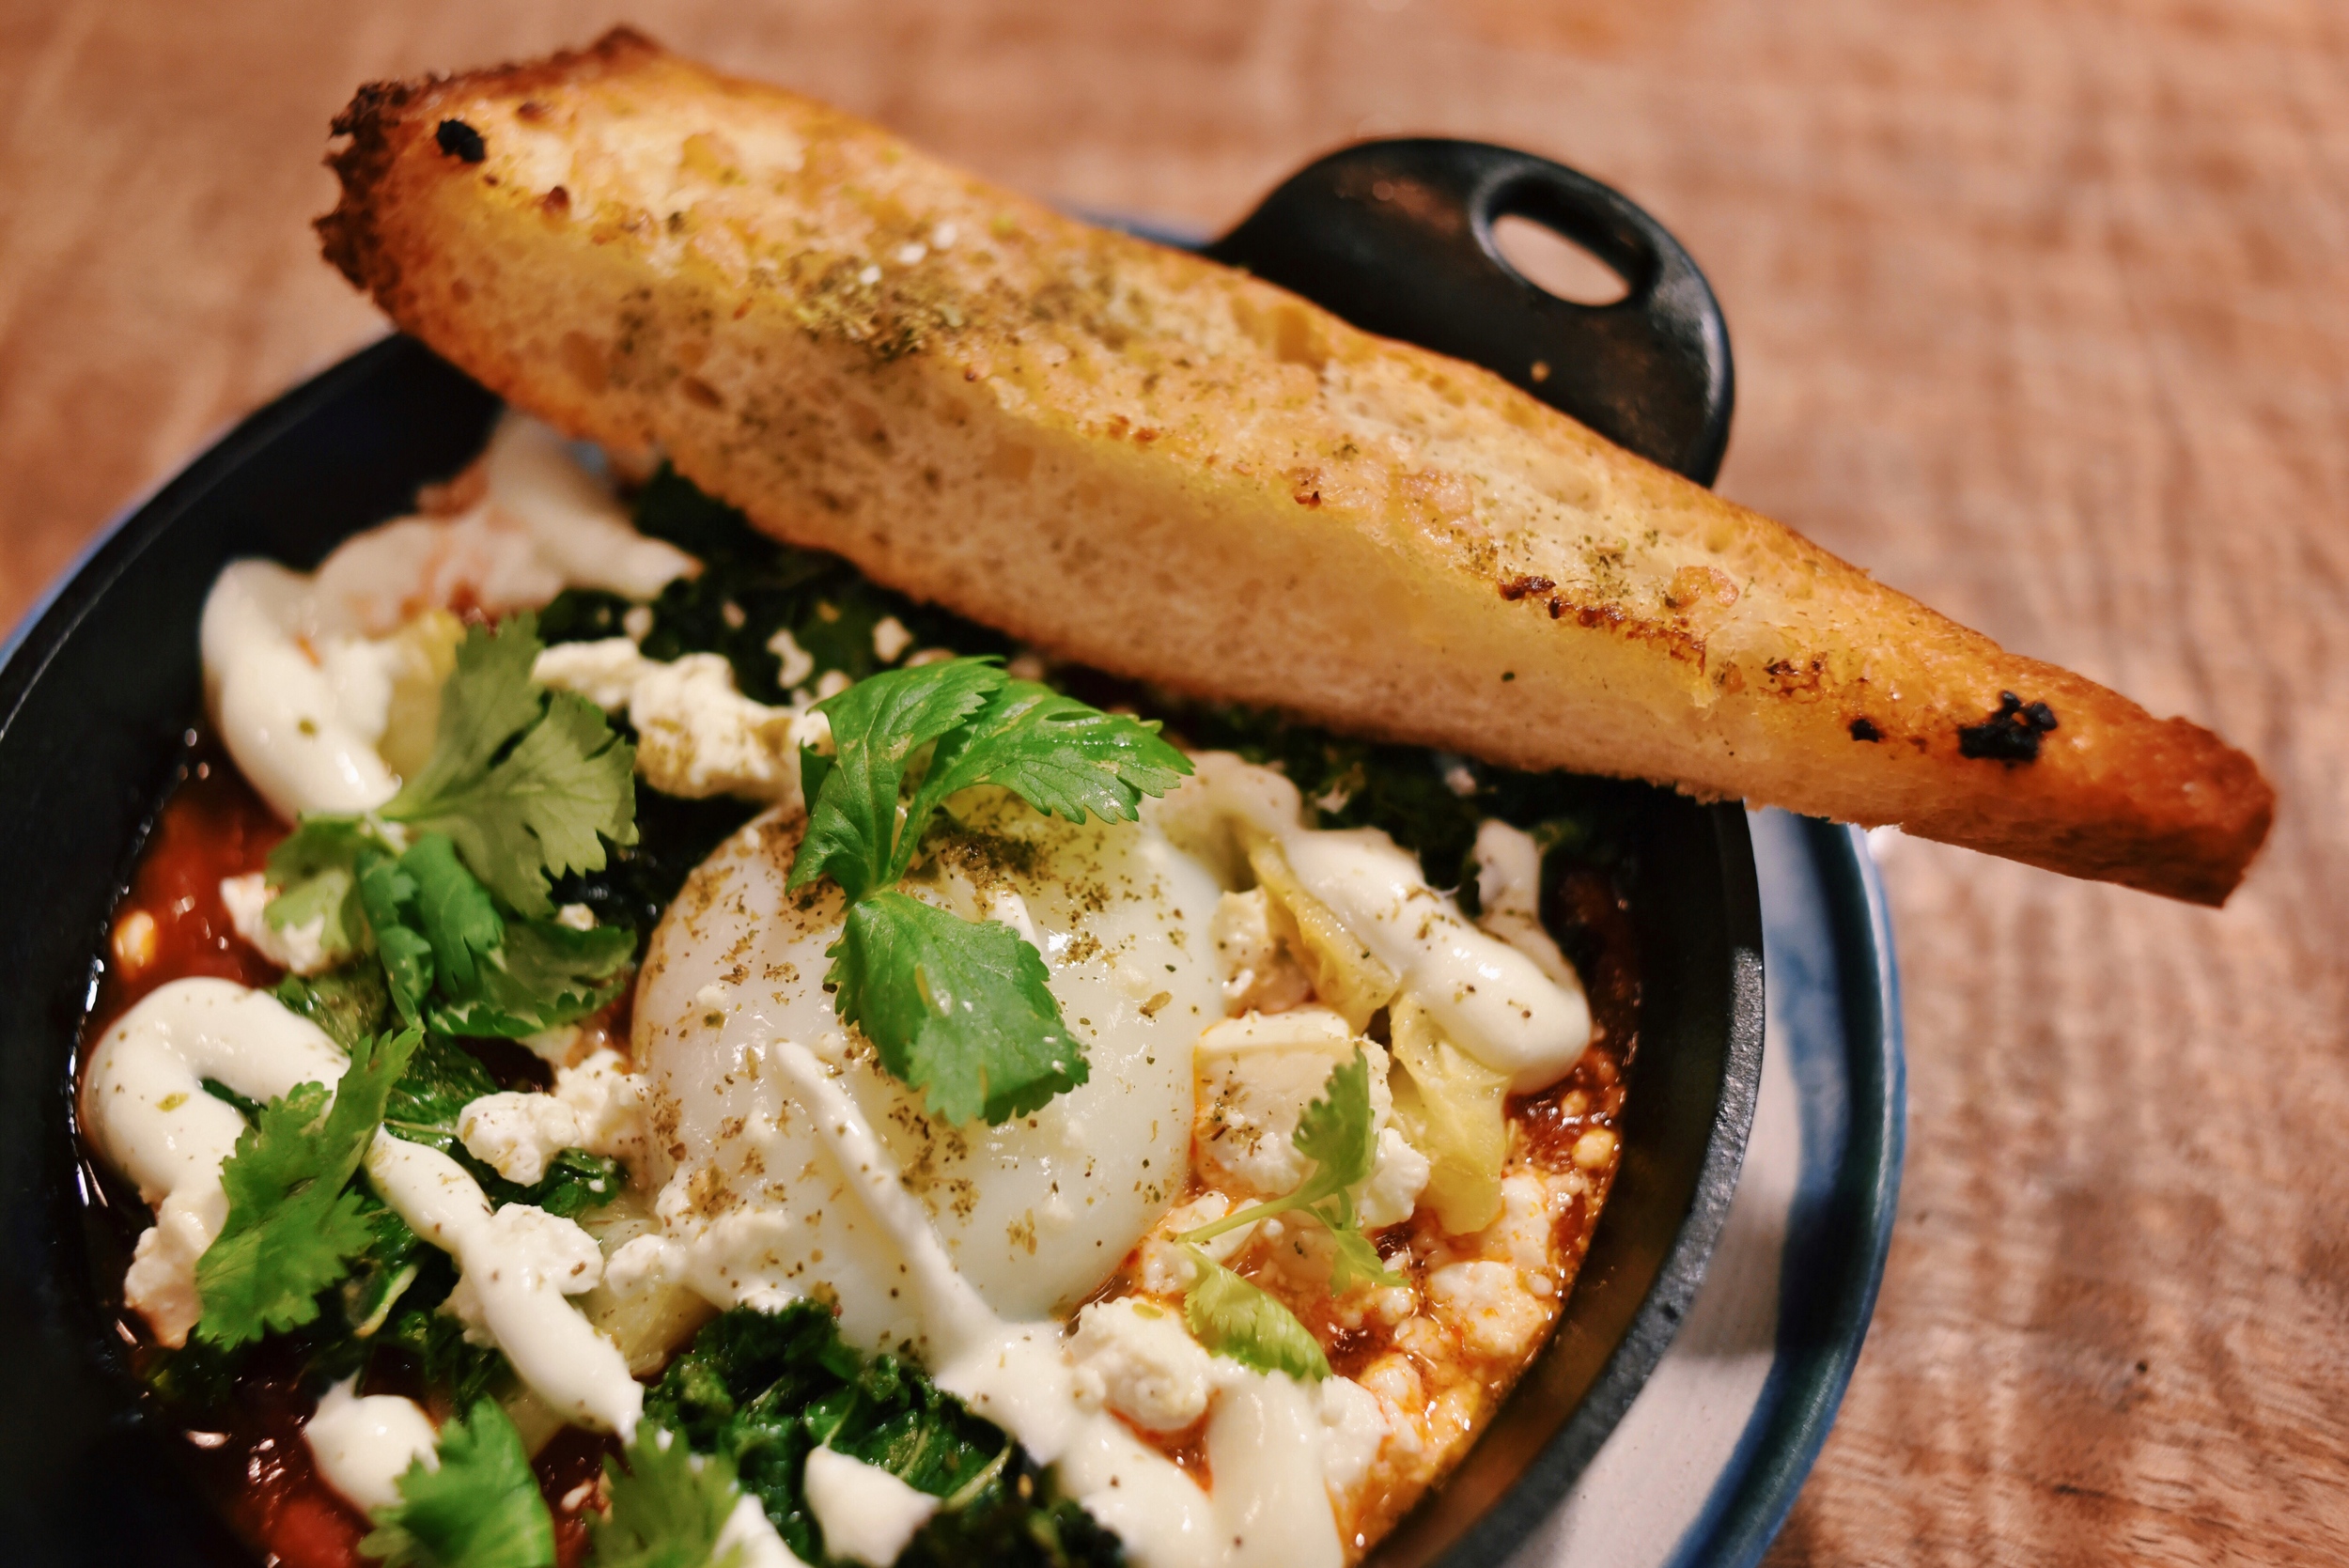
<point x="762" y="1390"/>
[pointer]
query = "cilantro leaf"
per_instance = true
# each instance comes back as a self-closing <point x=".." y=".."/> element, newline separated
<point x="292" y="1228"/>
<point x="313" y="873"/>
<point x="1339" y="1133"/>
<point x="527" y="786"/>
<point x="958" y="1007"/>
<point x="1234" y="1318"/>
<point x="668" y="1506"/>
<point x="389" y="896"/>
<point x="455" y="963"/>
<point x="455" y="912"/>
<point x="853" y="832"/>
<point x="1356" y="1262"/>
<point x="480" y="1509"/>
<point x="1061" y="756"/>
<point x="543" y="974"/>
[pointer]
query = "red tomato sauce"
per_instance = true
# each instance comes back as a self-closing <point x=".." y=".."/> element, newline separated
<point x="171" y="925"/>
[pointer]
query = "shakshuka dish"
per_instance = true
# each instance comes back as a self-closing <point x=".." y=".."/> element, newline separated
<point x="613" y="992"/>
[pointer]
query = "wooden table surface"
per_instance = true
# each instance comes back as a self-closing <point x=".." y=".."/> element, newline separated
<point x="2040" y="310"/>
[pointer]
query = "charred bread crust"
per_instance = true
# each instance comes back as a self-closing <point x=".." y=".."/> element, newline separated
<point x="1147" y="463"/>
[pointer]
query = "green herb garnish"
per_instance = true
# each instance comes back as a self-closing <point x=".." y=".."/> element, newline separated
<point x="955" y="1007"/>
<point x="668" y="1507"/>
<point x="521" y="785"/>
<point x="292" y="1228"/>
<point x="479" y="1509"/>
<point x="1338" y="1133"/>
<point x="1234" y="1318"/>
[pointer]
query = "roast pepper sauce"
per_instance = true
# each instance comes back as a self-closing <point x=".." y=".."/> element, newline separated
<point x="170" y="925"/>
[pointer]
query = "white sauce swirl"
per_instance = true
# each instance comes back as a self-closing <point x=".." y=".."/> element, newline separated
<point x="147" y="1111"/>
<point x="362" y="1445"/>
<point x="517" y="1265"/>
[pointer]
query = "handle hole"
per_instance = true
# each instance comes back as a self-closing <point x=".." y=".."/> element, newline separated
<point x="1556" y="264"/>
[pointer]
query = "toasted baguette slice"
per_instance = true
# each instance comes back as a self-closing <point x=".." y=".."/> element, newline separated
<point x="1150" y="464"/>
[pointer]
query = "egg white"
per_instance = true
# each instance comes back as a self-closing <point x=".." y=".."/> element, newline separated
<point x="1035" y="1214"/>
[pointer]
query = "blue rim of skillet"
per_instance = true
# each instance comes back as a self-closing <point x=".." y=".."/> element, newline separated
<point x="99" y="686"/>
<point x="1839" y="1228"/>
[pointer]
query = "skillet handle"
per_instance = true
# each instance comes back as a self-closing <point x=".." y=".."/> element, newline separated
<point x="1397" y="237"/>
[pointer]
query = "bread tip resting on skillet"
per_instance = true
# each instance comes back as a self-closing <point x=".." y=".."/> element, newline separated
<point x="1137" y="458"/>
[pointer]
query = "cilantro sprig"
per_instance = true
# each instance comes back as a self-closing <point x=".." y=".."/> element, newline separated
<point x="669" y="1506"/>
<point x="293" y="1225"/>
<point x="957" y="1008"/>
<point x="447" y="885"/>
<point x="479" y="1508"/>
<point x="1338" y="1132"/>
<point x="527" y="782"/>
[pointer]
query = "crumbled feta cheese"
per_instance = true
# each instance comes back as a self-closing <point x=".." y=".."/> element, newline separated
<point x="610" y="1102"/>
<point x="160" y="1284"/>
<point x="1488" y="1306"/>
<point x="890" y="639"/>
<point x="866" y="1513"/>
<point x="1354" y="1425"/>
<point x="642" y="1263"/>
<point x="1256" y="1074"/>
<point x="1259" y="975"/>
<point x="1396" y="1180"/>
<point x="363" y="1446"/>
<point x="300" y="949"/>
<point x="605" y="671"/>
<point x="516" y="1266"/>
<point x="637" y="622"/>
<point x="1204" y="1209"/>
<point x="699" y="736"/>
<point x="798" y="663"/>
<point x="597" y="1106"/>
<point x="832" y="684"/>
<point x="517" y="1134"/>
<point x="1136" y="1357"/>
<point x="1529" y="1221"/>
<point x="579" y="917"/>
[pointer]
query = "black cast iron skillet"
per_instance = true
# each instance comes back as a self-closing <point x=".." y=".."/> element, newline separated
<point x="99" y="692"/>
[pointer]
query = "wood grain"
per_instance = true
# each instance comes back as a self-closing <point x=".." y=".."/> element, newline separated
<point x="2042" y="311"/>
